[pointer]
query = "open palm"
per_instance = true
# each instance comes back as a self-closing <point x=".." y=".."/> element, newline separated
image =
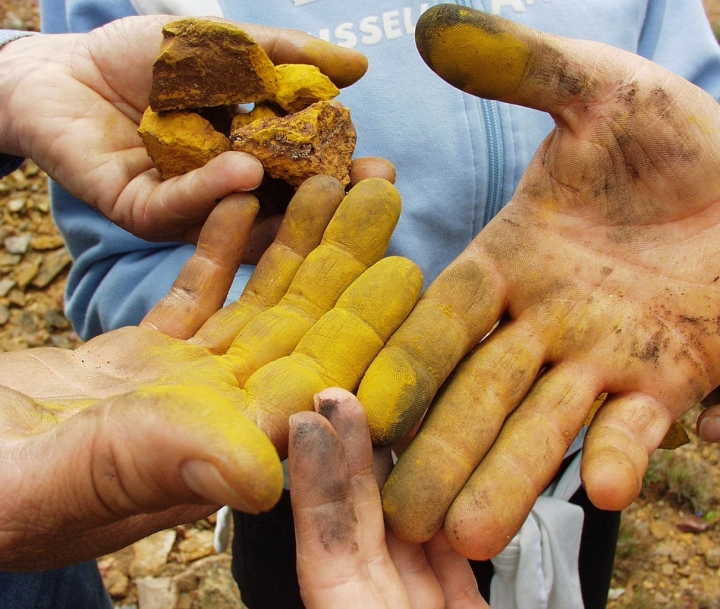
<point x="603" y="273"/>
<point x="170" y="424"/>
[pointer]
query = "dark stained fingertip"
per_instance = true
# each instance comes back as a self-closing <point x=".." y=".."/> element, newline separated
<point x="327" y="407"/>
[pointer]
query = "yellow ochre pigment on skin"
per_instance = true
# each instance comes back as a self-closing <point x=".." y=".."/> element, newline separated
<point x="253" y="466"/>
<point x="475" y="52"/>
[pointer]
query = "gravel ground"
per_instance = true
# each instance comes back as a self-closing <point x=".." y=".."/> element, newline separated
<point x="669" y="550"/>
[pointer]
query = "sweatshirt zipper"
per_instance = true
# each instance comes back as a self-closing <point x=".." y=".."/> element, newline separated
<point x="491" y="117"/>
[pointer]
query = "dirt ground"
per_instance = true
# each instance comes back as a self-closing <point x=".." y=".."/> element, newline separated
<point x="669" y="549"/>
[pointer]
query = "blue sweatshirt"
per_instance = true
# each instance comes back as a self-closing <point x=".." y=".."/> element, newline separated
<point x="458" y="158"/>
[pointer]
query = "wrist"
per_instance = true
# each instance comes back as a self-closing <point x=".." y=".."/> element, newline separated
<point x="9" y="65"/>
<point x="21" y="61"/>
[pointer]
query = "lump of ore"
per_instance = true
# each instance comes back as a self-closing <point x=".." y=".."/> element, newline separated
<point x="317" y="140"/>
<point x="178" y="142"/>
<point x="205" y="63"/>
<point x="300" y="85"/>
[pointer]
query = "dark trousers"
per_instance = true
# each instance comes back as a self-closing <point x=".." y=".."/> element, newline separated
<point x="76" y="587"/>
<point x="264" y="557"/>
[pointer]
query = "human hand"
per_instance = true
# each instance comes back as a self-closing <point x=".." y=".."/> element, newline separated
<point x="344" y="555"/>
<point x="73" y="103"/>
<point x="602" y="273"/>
<point x="138" y="430"/>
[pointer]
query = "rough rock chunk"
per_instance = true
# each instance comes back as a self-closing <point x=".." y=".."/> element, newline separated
<point x="205" y="70"/>
<point x="300" y="85"/>
<point x="178" y="142"/>
<point x="205" y="63"/>
<point x="317" y="140"/>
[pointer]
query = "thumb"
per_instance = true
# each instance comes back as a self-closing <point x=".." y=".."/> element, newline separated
<point x="163" y="445"/>
<point x="139" y="453"/>
<point x="491" y="57"/>
<point x="626" y="128"/>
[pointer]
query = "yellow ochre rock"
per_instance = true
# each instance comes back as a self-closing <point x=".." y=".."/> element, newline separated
<point x="301" y="85"/>
<point x="178" y="142"/>
<point x="205" y="63"/>
<point x="206" y="69"/>
<point x="317" y="140"/>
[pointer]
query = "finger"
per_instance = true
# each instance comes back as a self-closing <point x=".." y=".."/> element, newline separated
<point x="460" y="428"/>
<point x="491" y="57"/>
<point x="301" y="231"/>
<point x="338" y="348"/>
<point x="456" y="578"/>
<point x="343" y="66"/>
<point x="264" y="233"/>
<point x="708" y="424"/>
<point x="139" y="453"/>
<point x="521" y="463"/>
<point x="371" y="167"/>
<point x="162" y="210"/>
<point x="356" y="237"/>
<point x="204" y="281"/>
<point x="623" y="434"/>
<point x="420" y="582"/>
<point x="456" y="311"/>
<point x="348" y="418"/>
<point x="329" y="556"/>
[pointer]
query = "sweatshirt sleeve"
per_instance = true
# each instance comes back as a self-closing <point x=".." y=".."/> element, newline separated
<point x="678" y="36"/>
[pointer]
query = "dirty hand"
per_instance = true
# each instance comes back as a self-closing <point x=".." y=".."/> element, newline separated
<point x="147" y="427"/>
<point x="345" y="557"/>
<point x="603" y="273"/>
<point x="73" y="103"/>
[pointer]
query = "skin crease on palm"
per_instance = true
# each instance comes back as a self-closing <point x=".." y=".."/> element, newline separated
<point x="327" y="257"/>
<point x="603" y="272"/>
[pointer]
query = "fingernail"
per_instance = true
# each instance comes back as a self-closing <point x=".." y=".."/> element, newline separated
<point x="204" y="479"/>
<point x="709" y="429"/>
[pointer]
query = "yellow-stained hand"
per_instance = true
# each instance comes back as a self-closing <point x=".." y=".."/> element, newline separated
<point x="138" y="430"/>
<point x="603" y="273"/>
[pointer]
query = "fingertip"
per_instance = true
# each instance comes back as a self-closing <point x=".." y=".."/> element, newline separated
<point x="476" y="52"/>
<point x="332" y="394"/>
<point x="611" y="478"/>
<point x="341" y="65"/>
<point x="240" y="171"/>
<point x="708" y="425"/>
<point x="372" y="167"/>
